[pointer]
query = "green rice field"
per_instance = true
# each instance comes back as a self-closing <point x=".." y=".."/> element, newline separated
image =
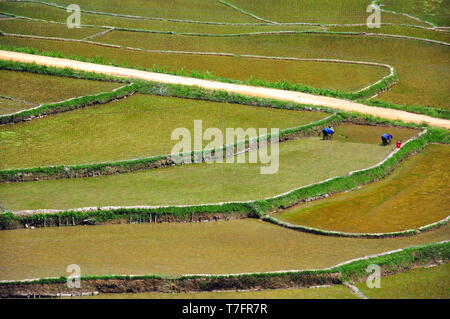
<point x="416" y="194"/>
<point x="34" y="89"/>
<point x="301" y="162"/>
<point x="102" y="132"/>
<point x="436" y="12"/>
<point x="38" y="11"/>
<point x="182" y="9"/>
<point x="422" y="283"/>
<point x="182" y="248"/>
<point x="21" y="26"/>
<point x="331" y="11"/>
<point x="270" y="43"/>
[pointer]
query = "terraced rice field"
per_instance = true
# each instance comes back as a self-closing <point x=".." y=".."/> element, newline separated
<point x="103" y="132"/>
<point x="422" y="83"/>
<point x="416" y="76"/>
<point x="425" y="283"/>
<point x="182" y="9"/>
<point x="430" y="283"/>
<point x="37" y="11"/>
<point x="304" y="72"/>
<point x="416" y="194"/>
<point x="28" y="90"/>
<point x="281" y="42"/>
<point x="183" y="248"/>
<point x="45" y="29"/>
<point x="436" y="12"/>
<point x="302" y="162"/>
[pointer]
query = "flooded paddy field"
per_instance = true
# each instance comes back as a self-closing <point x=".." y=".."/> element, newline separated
<point x="21" y="26"/>
<point x="286" y="11"/>
<point x="354" y="133"/>
<point x="40" y="88"/>
<point x="423" y="283"/>
<point x="416" y="194"/>
<point x="301" y="162"/>
<point x="38" y="11"/>
<point x="103" y="132"/>
<point x="183" y="248"/>
<point x="183" y="9"/>
<point x="8" y="105"/>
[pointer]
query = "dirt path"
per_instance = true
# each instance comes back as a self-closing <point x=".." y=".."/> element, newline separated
<point x="277" y="94"/>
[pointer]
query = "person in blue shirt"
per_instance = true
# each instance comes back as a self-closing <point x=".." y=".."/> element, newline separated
<point x="386" y="138"/>
<point x="328" y="133"/>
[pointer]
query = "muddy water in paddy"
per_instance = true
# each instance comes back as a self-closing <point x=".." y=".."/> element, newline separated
<point x="416" y="194"/>
<point x="371" y="134"/>
<point x="170" y="249"/>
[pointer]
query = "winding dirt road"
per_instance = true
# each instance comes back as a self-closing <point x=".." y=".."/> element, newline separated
<point x="291" y="96"/>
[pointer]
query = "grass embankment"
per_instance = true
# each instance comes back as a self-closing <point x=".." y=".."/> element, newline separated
<point x="397" y="30"/>
<point x="103" y="132"/>
<point x="424" y="283"/>
<point x="40" y="88"/>
<point x="301" y="162"/>
<point x="416" y="194"/>
<point x="186" y="248"/>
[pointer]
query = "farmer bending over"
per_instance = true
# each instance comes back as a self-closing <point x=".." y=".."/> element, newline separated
<point x="328" y="133"/>
<point x="386" y="139"/>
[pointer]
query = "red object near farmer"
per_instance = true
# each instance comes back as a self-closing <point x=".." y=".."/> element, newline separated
<point x="399" y="144"/>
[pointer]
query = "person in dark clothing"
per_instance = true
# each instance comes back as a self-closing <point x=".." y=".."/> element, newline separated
<point x="327" y="133"/>
<point x="386" y="138"/>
